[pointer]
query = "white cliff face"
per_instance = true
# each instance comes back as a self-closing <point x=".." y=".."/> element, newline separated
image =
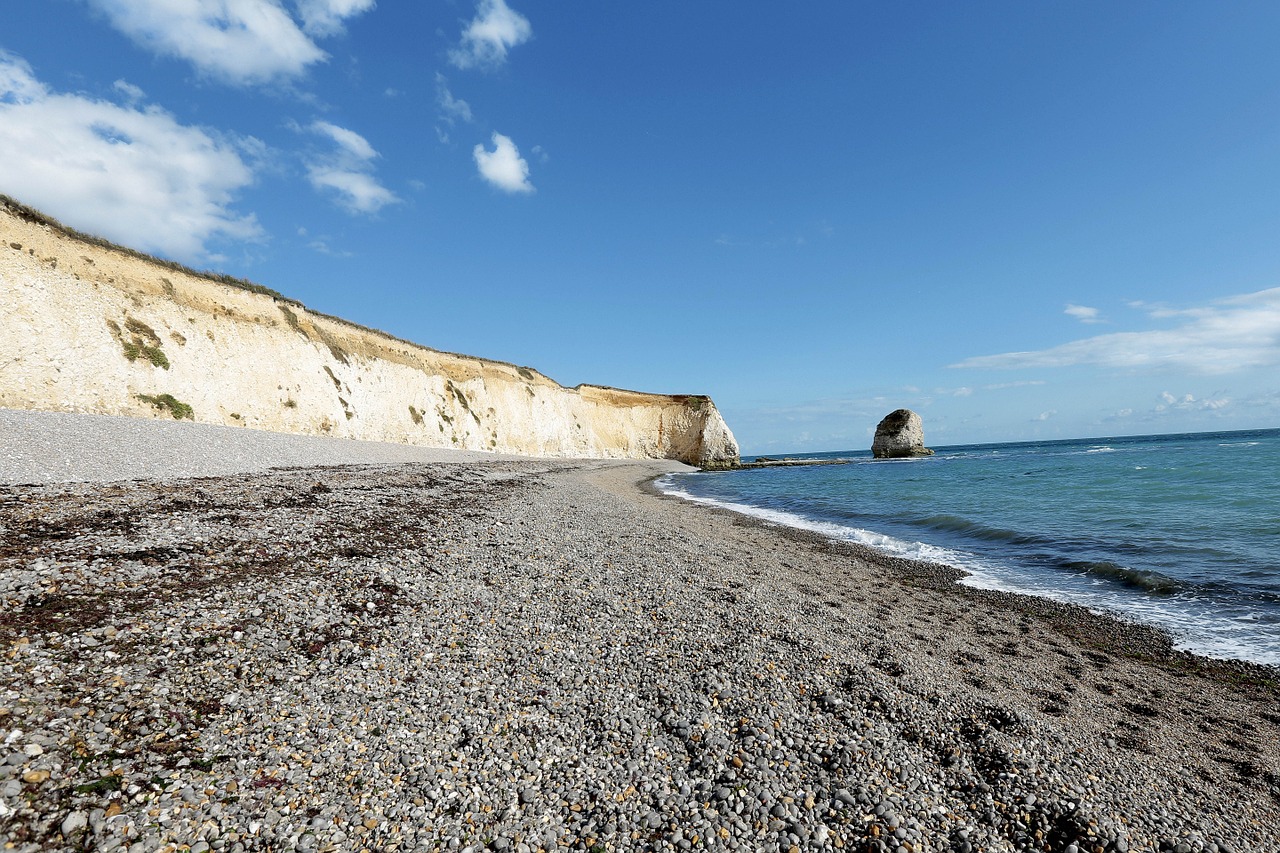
<point x="91" y="328"/>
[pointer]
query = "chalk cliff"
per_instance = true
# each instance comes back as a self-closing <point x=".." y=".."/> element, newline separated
<point x="90" y="327"/>
<point x="899" y="435"/>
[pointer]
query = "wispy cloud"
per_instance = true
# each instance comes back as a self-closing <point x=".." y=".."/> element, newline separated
<point x="495" y="29"/>
<point x="329" y="17"/>
<point x="131" y="93"/>
<point x="797" y="237"/>
<point x="1167" y="405"/>
<point x="350" y="142"/>
<point x="865" y="411"/>
<point x="451" y="110"/>
<point x="1000" y="386"/>
<point x="503" y="166"/>
<point x="323" y="248"/>
<point x="1232" y="334"/>
<point x="1187" y="402"/>
<point x="242" y="42"/>
<point x="18" y="83"/>
<point x="319" y="243"/>
<point x="130" y="173"/>
<point x="347" y="170"/>
<point x="1082" y="313"/>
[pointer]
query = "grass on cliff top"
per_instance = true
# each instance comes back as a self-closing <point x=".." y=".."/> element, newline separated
<point x="30" y="214"/>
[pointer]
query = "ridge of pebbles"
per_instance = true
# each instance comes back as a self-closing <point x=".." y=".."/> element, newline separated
<point x="534" y="656"/>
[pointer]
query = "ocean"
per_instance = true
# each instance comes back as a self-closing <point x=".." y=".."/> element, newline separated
<point x="1177" y="531"/>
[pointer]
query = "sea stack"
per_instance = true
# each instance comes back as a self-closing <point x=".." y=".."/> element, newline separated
<point x="899" y="436"/>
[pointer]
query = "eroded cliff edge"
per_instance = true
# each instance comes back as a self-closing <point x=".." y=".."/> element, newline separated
<point x="90" y="327"/>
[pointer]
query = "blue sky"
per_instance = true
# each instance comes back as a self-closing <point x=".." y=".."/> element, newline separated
<point x="1023" y="220"/>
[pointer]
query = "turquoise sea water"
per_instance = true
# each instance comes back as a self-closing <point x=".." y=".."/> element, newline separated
<point x="1179" y="531"/>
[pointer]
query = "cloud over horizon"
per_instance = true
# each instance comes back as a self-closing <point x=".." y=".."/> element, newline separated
<point x="495" y="29"/>
<point x="1228" y="335"/>
<point x="132" y="174"/>
<point x="1189" y="401"/>
<point x="503" y="167"/>
<point x="347" y="170"/>
<point x="241" y="42"/>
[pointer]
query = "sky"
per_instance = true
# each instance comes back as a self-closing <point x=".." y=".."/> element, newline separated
<point x="1022" y="220"/>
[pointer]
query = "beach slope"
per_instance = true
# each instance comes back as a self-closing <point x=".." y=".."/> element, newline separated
<point x="532" y="655"/>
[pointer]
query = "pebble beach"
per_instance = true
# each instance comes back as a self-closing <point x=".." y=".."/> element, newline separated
<point x="352" y="652"/>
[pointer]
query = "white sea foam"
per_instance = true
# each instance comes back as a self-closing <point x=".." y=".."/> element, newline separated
<point x="1194" y="624"/>
<point x="979" y="574"/>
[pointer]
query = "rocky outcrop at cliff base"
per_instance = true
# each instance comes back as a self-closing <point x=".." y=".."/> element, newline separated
<point x="91" y="327"/>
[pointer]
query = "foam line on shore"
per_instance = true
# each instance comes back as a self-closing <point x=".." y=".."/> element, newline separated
<point x="1190" y="628"/>
<point x="880" y="541"/>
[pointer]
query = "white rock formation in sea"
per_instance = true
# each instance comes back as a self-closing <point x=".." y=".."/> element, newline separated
<point x="91" y="327"/>
<point x="899" y="435"/>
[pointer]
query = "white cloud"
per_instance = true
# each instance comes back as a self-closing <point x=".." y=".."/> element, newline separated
<point x="1044" y="416"/>
<point x="452" y="110"/>
<point x="1185" y="410"/>
<point x="1082" y="313"/>
<point x="349" y="141"/>
<point x="322" y="247"/>
<point x="348" y="170"/>
<point x="243" y="42"/>
<point x="1188" y="402"/>
<point x="133" y="94"/>
<point x="1225" y="336"/>
<point x="503" y="167"/>
<point x="17" y="82"/>
<point x="358" y="192"/>
<point x="131" y="174"/>
<point x="326" y="17"/>
<point x="495" y="29"/>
